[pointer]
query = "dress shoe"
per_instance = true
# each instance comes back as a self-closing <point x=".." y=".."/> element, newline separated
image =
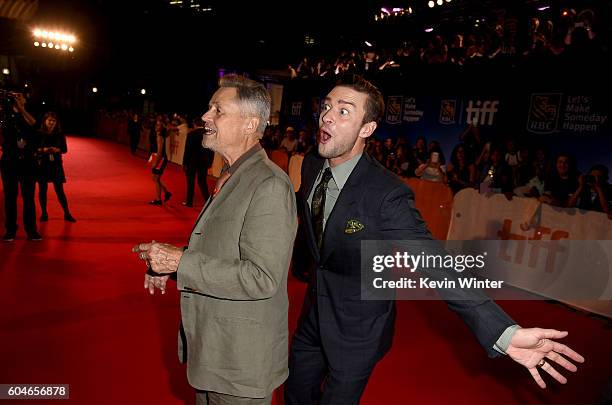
<point x="9" y="236"/>
<point x="187" y="204"/>
<point x="44" y="217"/>
<point x="69" y="218"/>
<point x="167" y="196"/>
<point x="155" y="202"/>
<point x="34" y="236"/>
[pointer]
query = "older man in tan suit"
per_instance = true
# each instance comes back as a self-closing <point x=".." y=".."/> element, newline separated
<point x="233" y="274"/>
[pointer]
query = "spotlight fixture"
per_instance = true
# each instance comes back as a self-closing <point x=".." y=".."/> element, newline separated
<point x="431" y="4"/>
<point x="53" y="39"/>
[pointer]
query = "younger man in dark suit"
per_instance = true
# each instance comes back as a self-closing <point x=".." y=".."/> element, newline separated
<point x="347" y="197"/>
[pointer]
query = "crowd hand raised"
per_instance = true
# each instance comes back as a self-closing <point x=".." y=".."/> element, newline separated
<point x="532" y="347"/>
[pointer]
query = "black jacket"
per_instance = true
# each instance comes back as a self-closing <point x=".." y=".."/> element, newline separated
<point x="196" y="156"/>
<point x="355" y="332"/>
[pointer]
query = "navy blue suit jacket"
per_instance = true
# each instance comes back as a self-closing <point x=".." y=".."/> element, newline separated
<point x="356" y="332"/>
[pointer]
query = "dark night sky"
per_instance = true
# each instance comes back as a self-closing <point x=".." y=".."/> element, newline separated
<point x="128" y="44"/>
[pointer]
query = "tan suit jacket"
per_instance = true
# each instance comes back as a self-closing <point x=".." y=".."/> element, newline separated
<point x="233" y="282"/>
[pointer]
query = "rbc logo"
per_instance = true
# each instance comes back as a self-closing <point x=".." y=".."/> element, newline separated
<point x="482" y="113"/>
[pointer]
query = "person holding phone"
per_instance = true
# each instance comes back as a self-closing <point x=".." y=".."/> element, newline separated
<point x="433" y="169"/>
<point x="593" y="192"/>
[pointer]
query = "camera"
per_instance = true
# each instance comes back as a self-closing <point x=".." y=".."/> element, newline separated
<point x="7" y="99"/>
<point x="590" y="179"/>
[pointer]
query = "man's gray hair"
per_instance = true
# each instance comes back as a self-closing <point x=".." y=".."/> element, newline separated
<point x="252" y="95"/>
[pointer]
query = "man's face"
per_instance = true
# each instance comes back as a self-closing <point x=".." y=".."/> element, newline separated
<point x="562" y="165"/>
<point x="340" y="123"/>
<point x="223" y="123"/>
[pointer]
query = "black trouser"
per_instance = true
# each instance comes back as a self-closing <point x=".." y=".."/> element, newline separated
<point x="134" y="140"/>
<point x="59" y="191"/>
<point x="309" y="371"/>
<point x="12" y="179"/>
<point x="190" y="176"/>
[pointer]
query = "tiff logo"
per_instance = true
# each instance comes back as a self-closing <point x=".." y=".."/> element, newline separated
<point x="536" y="243"/>
<point x="478" y="114"/>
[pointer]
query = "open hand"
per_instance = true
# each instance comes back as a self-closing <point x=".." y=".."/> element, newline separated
<point x="532" y="347"/>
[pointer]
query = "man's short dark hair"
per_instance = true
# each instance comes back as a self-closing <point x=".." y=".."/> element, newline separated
<point x="253" y="96"/>
<point x="375" y="104"/>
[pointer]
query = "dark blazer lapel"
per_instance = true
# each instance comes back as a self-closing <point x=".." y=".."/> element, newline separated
<point x="350" y="194"/>
<point x="309" y="178"/>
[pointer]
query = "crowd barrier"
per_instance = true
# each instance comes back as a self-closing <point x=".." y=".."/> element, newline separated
<point x="561" y="275"/>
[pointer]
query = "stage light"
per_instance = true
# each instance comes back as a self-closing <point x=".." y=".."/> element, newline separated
<point x="50" y="44"/>
<point x="57" y="46"/>
<point x="5" y="71"/>
<point x="94" y="90"/>
<point x="36" y="43"/>
<point x="428" y="29"/>
<point x="397" y="10"/>
<point x="384" y="10"/>
<point x="543" y="8"/>
<point x="410" y="10"/>
<point x="564" y="13"/>
<point x="44" y="44"/>
<point x="143" y="91"/>
<point x="431" y="4"/>
<point x="71" y="49"/>
<point x="367" y="43"/>
<point x="37" y="32"/>
<point x="440" y="2"/>
<point x="64" y="47"/>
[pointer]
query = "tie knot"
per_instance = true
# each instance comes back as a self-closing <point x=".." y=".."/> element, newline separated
<point x="327" y="175"/>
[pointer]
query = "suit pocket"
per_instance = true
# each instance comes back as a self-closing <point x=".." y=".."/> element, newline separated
<point x="237" y="344"/>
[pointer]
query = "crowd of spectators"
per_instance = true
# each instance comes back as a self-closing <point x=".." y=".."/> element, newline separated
<point x="499" y="166"/>
<point x="570" y="36"/>
<point x="504" y="165"/>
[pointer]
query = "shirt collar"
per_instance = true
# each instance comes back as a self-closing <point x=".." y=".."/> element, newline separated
<point x="342" y="171"/>
<point x="232" y="169"/>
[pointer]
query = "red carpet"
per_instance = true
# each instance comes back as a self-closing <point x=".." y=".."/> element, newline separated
<point x="74" y="310"/>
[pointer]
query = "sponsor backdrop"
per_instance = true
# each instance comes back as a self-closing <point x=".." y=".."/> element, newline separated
<point x="576" y="123"/>
<point x="574" y="120"/>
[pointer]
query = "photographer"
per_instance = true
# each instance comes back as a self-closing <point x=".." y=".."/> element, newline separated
<point x="17" y="165"/>
<point x="593" y="191"/>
